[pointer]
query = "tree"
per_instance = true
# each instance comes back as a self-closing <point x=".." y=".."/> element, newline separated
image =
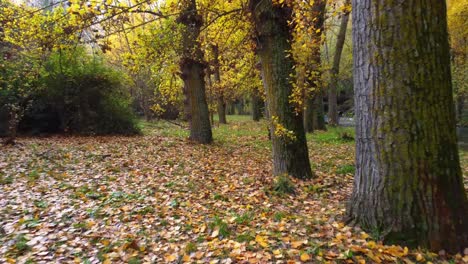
<point x="332" y="92"/>
<point x="192" y="67"/>
<point x="408" y="184"/>
<point x="257" y="105"/>
<point x="458" y="24"/>
<point x="313" y="113"/>
<point x="273" y="34"/>
<point x="221" y="104"/>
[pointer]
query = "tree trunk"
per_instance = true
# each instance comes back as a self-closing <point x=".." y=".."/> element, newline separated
<point x="319" y="115"/>
<point x="13" y="123"/>
<point x="192" y="72"/>
<point x="221" y="104"/>
<point x="408" y="184"/>
<point x="257" y="106"/>
<point x="313" y="80"/>
<point x="290" y="154"/>
<point x="333" y="91"/>
<point x="309" y="115"/>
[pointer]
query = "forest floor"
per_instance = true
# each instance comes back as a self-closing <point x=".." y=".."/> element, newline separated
<point x="158" y="198"/>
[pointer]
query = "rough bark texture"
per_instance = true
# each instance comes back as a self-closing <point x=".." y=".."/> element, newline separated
<point x="333" y="91"/>
<point x="221" y="104"/>
<point x="192" y="72"/>
<point x="313" y="81"/>
<point x="290" y="156"/>
<point x="408" y="183"/>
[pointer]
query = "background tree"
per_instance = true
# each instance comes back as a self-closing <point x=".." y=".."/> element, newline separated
<point x="408" y="183"/>
<point x="333" y="89"/>
<point x="273" y="34"/>
<point x="192" y="72"/>
<point x="308" y="45"/>
<point x="458" y="25"/>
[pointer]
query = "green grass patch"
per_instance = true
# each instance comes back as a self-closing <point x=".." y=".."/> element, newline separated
<point x="333" y="135"/>
<point x="223" y="227"/>
<point x="345" y="169"/>
<point x="4" y="180"/>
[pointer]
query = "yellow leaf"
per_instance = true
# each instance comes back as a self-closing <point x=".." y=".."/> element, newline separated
<point x="305" y="257"/>
<point x="296" y="244"/>
<point x="261" y="240"/>
<point x="199" y="254"/>
<point x="405" y="251"/>
<point x="186" y="258"/>
<point x="419" y="257"/>
<point x="215" y="233"/>
<point x="371" y="244"/>
<point x="364" y="235"/>
<point x="277" y="252"/>
<point x="170" y="258"/>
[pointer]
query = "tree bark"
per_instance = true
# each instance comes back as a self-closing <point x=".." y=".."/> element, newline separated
<point x="221" y="104"/>
<point x="408" y="183"/>
<point x="312" y="114"/>
<point x="192" y="72"/>
<point x="333" y="91"/>
<point x="290" y="154"/>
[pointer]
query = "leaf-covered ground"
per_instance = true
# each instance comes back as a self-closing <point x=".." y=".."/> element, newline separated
<point x="158" y="198"/>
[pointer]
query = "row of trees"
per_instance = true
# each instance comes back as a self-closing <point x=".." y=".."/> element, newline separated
<point x="408" y="183"/>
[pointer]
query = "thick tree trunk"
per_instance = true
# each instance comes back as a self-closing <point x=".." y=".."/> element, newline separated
<point x="408" y="183"/>
<point x="311" y="112"/>
<point x="192" y="73"/>
<point x="333" y="91"/>
<point x="290" y="155"/>
<point x="221" y="104"/>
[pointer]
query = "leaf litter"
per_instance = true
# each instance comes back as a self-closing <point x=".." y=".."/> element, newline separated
<point x="159" y="198"/>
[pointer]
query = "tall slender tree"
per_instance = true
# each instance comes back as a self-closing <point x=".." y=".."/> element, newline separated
<point x="220" y="102"/>
<point x="335" y="70"/>
<point x="408" y="183"/>
<point x="273" y="34"/>
<point x="192" y="67"/>
<point x="313" y="106"/>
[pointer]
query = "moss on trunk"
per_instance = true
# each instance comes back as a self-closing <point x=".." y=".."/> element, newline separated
<point x="408" y="183"/>
<point x="192" y="68"/>
<point x="290" y="155"/>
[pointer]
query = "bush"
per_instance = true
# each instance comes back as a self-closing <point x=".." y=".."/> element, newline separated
<point x="81" y="95"/>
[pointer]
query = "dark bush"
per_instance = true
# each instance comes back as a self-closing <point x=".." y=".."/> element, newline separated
<point x="80" y="95"/>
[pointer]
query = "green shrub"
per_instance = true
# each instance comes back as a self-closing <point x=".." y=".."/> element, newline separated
<point x="81" y="95"/>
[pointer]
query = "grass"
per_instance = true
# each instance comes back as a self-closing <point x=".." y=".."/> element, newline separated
<point x="346" y="169"/>
<point x="241" y="126"/>
<point x="333" y="135"/>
